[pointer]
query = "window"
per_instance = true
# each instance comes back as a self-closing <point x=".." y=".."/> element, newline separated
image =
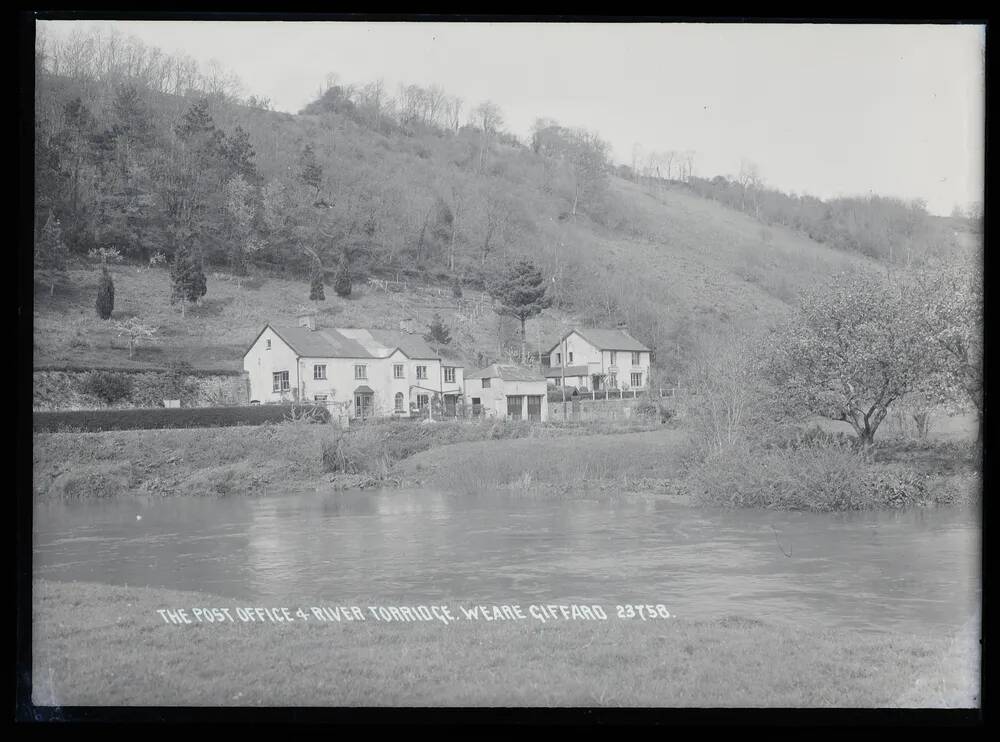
<point x="613" y="381"/>
<point x="320" y="398"/>
<point x="571" y="356"/>
<point x="267" y="344"/>
<point x="360" y="371"/>
<point x="319" y="371"/>
<point x="614" y="357"/>
<point x="486" y="383"/>
<point x="559" y="359"/>
<point x="422" y="401"/>
<point x="280" y="381"/>
<point x="636" y="359"/>
<point x="421" y="372"/>
<point x="397" y="370"/>
<point x="637" y="379"/>
<point x="399" y="401"/>
<point x="449" y="374"/>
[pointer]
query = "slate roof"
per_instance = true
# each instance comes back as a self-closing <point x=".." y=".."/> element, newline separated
<point x="341" y="342"/>
<point x="604" y="339"/>
<point x="557" y="373"/>
<point x="506" y="372"/>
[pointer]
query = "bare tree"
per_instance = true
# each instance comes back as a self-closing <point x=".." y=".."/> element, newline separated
<point x="454" y="110"/>
<point x="488" y="118"/>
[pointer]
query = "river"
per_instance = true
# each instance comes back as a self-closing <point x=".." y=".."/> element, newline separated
<point x="914" y="571"/>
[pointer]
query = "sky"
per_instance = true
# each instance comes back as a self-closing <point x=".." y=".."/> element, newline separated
<point x="828" y="110"/>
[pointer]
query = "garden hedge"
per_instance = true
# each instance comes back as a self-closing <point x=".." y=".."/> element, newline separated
<point x="175" y="417"/>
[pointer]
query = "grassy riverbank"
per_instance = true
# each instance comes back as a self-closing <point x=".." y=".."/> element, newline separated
<point x="547" y="460"/>
<point x="100" y="645"/>
<point x="274" y="458"/>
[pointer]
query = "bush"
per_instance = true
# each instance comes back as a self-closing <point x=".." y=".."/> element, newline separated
<point x="109" y="387"/>
<point x="652" y="409"/>
<point x="809" y="477"/>
<point x="175" y="417"/>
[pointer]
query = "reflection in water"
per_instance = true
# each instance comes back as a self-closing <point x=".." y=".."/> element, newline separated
<point x="915" y="570"/>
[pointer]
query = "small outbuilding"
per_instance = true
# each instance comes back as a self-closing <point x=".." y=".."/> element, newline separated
<point x="507" y="391"/>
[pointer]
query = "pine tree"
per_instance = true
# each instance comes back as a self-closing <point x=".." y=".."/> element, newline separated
<point x="521" y="291"/>
<point x="316" y="292"/>
<point x="437" y="334"/>
<point x="187" y="278"/>
<point x="105" y="303"/>
<point x="50" y="254"/>
<point x="240" y="154"/>
<point x="310" y="171"/>
<point x="342" y="283"/>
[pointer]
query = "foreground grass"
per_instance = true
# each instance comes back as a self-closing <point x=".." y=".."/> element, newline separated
<point x="101" y="645"/>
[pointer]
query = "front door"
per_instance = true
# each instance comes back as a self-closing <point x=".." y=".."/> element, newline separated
<point x="514" y="406"/>
<point x="362" y="406"/>
<point x="449" y="405"/>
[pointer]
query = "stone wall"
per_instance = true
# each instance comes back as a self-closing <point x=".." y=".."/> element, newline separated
<point x="591" y="409"/>
<point x="63" y="390"/>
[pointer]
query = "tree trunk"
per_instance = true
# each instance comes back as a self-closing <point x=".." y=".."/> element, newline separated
<point x="524" y="340"/>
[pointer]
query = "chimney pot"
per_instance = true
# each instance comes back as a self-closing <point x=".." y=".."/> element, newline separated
<point x="307" y="320"/>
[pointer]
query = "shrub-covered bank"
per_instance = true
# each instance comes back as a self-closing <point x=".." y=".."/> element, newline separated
<point x="201" y="462"/>
<point x="818" y="471"/>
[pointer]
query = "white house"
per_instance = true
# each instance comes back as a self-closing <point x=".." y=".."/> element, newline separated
<point x="367" y="372"/>
<point x="507" y="391"/>
<point x="599" y="359"/>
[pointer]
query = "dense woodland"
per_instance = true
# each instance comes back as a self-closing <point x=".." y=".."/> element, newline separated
<point x="149" y="155"/>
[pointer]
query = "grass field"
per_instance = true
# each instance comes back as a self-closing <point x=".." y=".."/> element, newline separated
<point x="101" y="645"/>
<point x="622" y="461"/>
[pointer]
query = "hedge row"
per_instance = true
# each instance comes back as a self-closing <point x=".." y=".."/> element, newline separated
<point x="187" y="371"/>
<point x="176" y="417"/>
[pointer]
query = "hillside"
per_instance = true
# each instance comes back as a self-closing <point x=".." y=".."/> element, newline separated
<point x="266" y="199"/>
<point x="702" y="267"/>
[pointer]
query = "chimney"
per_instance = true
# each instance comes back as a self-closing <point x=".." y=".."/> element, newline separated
<point x="623" y="326"/>
<point x="307" y="319"/>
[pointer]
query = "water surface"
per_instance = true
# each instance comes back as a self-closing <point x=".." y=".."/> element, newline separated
<point x="915" y="571"/>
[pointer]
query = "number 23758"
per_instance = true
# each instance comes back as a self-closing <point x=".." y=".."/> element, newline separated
<point x="643" y="612"/>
